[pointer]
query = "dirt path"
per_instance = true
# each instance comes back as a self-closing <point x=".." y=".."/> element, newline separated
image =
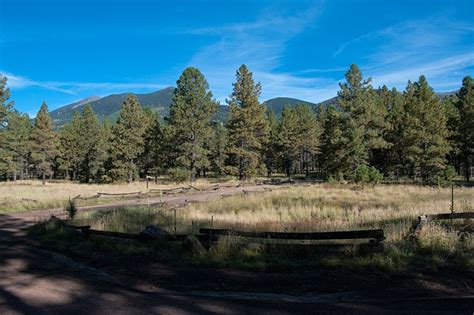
<point x="33" y="281"/>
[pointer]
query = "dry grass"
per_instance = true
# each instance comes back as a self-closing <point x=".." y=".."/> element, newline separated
<point x="32" y="195"/>
<point x="321" y="208"/>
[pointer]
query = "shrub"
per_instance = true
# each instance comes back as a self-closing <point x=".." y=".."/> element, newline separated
<point x="367" y="174"/>
<point x="179" y="175"/>
<point x="71" y="208"/>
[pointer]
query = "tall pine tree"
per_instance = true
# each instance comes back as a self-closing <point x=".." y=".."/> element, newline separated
<point x="43" y="143"/>
<point x="190" y="117"/>
<point x="247" y="127"/>
<point x="421" y="132"/>
<point x="465" y="106"/>
<point x="365" y="119"/>
<point x="15" y="145"/>
<point x="127" y="140"/>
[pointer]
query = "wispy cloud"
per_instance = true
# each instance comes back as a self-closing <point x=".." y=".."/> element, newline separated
<point x="74" y="88"/>
<point x="437" y="47"/>
<point x="260" y="44"/>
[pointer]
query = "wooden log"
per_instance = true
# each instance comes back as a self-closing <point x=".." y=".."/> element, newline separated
<point x="450" y="216"/>
<point x="360" y="234"/>
<point x="119" y="194"/>
<point x="78" y="227"/>
<point x="86" y="198"/>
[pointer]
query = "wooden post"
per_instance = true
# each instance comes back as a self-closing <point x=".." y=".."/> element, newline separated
<point x="452" y="197"/>
<point x="147" y="179"/>
<point x="175" y="221"/>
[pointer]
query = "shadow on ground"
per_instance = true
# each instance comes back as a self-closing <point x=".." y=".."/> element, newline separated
<point x="33" y="283"/>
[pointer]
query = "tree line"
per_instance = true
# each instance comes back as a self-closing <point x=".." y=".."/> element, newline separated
<point x="374" y="132"/>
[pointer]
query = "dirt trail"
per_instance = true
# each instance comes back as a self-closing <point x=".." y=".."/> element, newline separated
<point x="33" y="281"/>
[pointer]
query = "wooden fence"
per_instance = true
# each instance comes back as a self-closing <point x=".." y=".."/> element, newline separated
<point x="425" y="219"/>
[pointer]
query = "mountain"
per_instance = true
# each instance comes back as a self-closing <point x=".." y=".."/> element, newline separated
<point x="109" y="106"/>
<point x="278" y="103"/>
<point x="160" y="101"/>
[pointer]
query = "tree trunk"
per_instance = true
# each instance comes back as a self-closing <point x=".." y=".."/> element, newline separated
<point x="44" y="178"/>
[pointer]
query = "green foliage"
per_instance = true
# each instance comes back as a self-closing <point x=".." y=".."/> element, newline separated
<point x="465" y="106"/>
<point x="421" y="133"/>
<point x="71" y="209"/>
<point x="191" y="112"/>
<point x="15" y="145"/>
<point x="127" y="140"/>
<point x="217" y="148"/>
<point x="367" y="174"/>
<point x="247" y="127"/>
<point x="5" y="106"/>
<point x="179" y="174"/>
<point x="364" y="118"/>
<point x="43" y="143"/>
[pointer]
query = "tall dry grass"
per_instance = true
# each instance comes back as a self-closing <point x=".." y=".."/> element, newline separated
<point x="32" y="195"/>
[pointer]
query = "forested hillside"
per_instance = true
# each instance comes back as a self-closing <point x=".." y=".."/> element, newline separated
<point x="365" y="134"/>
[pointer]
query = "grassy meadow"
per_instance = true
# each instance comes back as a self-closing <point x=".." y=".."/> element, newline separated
<point x="324" y="207"/>
<point x="32" y="195"/>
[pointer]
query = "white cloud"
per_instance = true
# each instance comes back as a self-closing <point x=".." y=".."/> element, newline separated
<point x="72" y="87"/>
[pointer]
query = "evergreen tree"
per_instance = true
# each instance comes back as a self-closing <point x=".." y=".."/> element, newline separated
<point x="247" y="127"/>
<point x="288" y="138"/>
<point x="218" y="145"/>
<point x="5" y="105"/>
<point x="422" y="133"/>
<point x="150" y="161"/>
<point x="366" y="119"/>
<point x="93" y="147"/>
<point x="272" y="150"/>
<point x="43" y="143"/>
<point x="127" y="140"/>
<point x="465" y="106"/>
<point x="190" y="117"/>
<point x="71" y="147"/>
<point x="334" y="156"/>
<point x="309" y="133"/>
<point x="15" y="145"/>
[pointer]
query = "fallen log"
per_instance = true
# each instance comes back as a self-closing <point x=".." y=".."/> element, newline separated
<point x="377" y="234"/>
<point x="119" y="194"/>
<point x="450" y="216"/>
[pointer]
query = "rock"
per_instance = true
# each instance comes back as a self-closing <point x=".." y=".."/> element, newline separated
<point x="54" y="223"/>
<point x="192" y="245"/>
<point x="152" y="231"/>
<point x="255" y="247"/>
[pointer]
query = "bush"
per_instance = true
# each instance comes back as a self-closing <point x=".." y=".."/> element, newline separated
<point x="71" y="209"/>
<point x="367" y="174"/>
<point x="179" y="175"/>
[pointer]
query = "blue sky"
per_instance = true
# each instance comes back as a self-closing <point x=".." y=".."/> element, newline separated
<point x="63" y="51"/>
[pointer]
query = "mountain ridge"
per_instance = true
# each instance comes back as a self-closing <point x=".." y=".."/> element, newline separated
<point x="160" y="101"/>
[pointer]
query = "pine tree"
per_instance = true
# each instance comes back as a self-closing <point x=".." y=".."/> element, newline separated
<point x="5" y="105"/>
<point x="465" y="106"/>
<point x="334" y="156"/>
<point x="127" y="140"/>
<point x="218" y="145"/>
<point x="15" y="145"/>
<point x="149" y="160"/>
<point x="71" y="147"/>
<point x="43" y="143"/>
<point x="309" y="133"/>
<point x="272" y="150"/>
<point x="93" y="147"/>
<point x="288" y="138"/>
<point x="422" y="133"/>
<point x="190" y="117"/>
<point x="366" y="118"/>
<point x="247" y="127"/>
